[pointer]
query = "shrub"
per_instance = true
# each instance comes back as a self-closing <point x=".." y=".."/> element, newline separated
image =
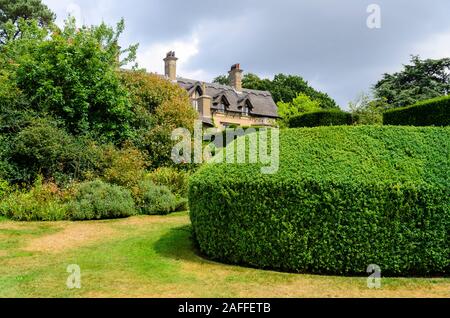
<point x="43" y="148"/>
<point x="170" y="115"/>
<point x="155" y="199"/>
<point x="4" y="188"/>
<point x="6" y="168"/>
<point x="176" y="181"/>
<point x="97" y="200"/>
<point x="43" y="202"/>
<point x="344" y="198"/>
<point x="367" y="111"/>
<point x="321" y="118"/>
<point x="432" y="112"/>
<point x="125" y="167"/>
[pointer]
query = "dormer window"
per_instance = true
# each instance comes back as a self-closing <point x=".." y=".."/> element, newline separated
<point x="221" y="107"/>
<point x="196" y="95"/>
<point x="222" y="104"/>
<point x="246" y="108"/>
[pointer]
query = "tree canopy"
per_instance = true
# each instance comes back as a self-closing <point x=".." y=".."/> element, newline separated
<point x="70" y="74"/>
<point x="299" y="105"/>
<point x="12" y="11"/>
<point x="421" y="80"/>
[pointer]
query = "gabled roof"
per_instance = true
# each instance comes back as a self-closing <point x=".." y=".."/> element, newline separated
<point x="261" y="101"/>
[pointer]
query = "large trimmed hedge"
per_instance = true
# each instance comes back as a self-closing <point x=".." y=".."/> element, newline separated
<point x="433" y="112"/>
<point x="333" y="117"/>
<point x="344" y="198"/>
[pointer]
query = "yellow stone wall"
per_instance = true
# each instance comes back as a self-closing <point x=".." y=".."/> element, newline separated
<point x="221" y="120"/>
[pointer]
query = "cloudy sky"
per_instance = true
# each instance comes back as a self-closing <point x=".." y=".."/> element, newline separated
<point x="328" y="42"/>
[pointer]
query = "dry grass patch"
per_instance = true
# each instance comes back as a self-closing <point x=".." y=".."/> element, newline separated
<point x="70" y="236"/>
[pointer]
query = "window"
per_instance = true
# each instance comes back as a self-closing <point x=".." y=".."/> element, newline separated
<point x="222" y="104"/>
<point x="246" y="108"/>
<point x="197" y="94"/>
<point x="195" y="104"/>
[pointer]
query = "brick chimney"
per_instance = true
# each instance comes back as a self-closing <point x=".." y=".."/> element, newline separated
<point x="204" y="104"/>
<point x="170" y="63"/>
<point x="235" y="76"/>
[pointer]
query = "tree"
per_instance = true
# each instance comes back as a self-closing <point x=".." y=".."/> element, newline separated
<point x="12" y="11"/>
<point x="299" y="105"/>
<point x="161" y="106"/>
<point x="71" y="74"/>
<point x="367" y="111"/>
<point x="222" y="80"/>
<point x="423" y="79"/>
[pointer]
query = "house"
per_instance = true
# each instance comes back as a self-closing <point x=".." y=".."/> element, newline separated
<point x="223" y="106"/>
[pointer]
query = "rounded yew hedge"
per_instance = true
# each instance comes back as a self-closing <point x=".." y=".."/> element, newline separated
<point x="344" y="198"/>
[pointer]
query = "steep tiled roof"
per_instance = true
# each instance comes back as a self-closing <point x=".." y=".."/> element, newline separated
<point x="261" y="101"/>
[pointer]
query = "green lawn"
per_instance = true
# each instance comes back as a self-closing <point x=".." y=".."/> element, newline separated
<point x="152" y="256"/>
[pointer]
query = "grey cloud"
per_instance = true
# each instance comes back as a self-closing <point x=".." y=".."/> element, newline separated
<point x="325" y="41"/>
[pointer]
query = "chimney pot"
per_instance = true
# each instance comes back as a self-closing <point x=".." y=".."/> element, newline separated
<point x="236" y="67"/>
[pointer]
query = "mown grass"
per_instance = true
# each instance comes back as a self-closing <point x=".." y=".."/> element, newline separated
<point x="155" y="257"/>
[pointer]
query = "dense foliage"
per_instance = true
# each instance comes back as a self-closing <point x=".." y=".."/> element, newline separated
<point x="4" y="188"/>
<point x="43" y="148"/>
<point x="70" y="118"/>
<point x="176" y="181"/>
<point x="159" y="107"/>
<point x="43" y="202"/>
<point x="12" y="11"/>
<point x="434" y="112"/>
<point x="423" y="79"/>
<point x="321" y="118"/>
<point x="124" y="167"/>
<point x="300" y="105"/>
<point x="344" y="198"/>
<point x="71" y="76"/>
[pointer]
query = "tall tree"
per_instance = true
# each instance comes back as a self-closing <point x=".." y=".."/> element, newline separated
<point x="12" y="10"/>
<point x="423" y="79"/>
<point x="71" y="74"/>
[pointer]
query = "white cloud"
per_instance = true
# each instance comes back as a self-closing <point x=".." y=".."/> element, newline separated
<point x="74" y="10"/>
<point x="437" y="46"/>
<point x="151" y="56"/>
<point x="86" y="12"/>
